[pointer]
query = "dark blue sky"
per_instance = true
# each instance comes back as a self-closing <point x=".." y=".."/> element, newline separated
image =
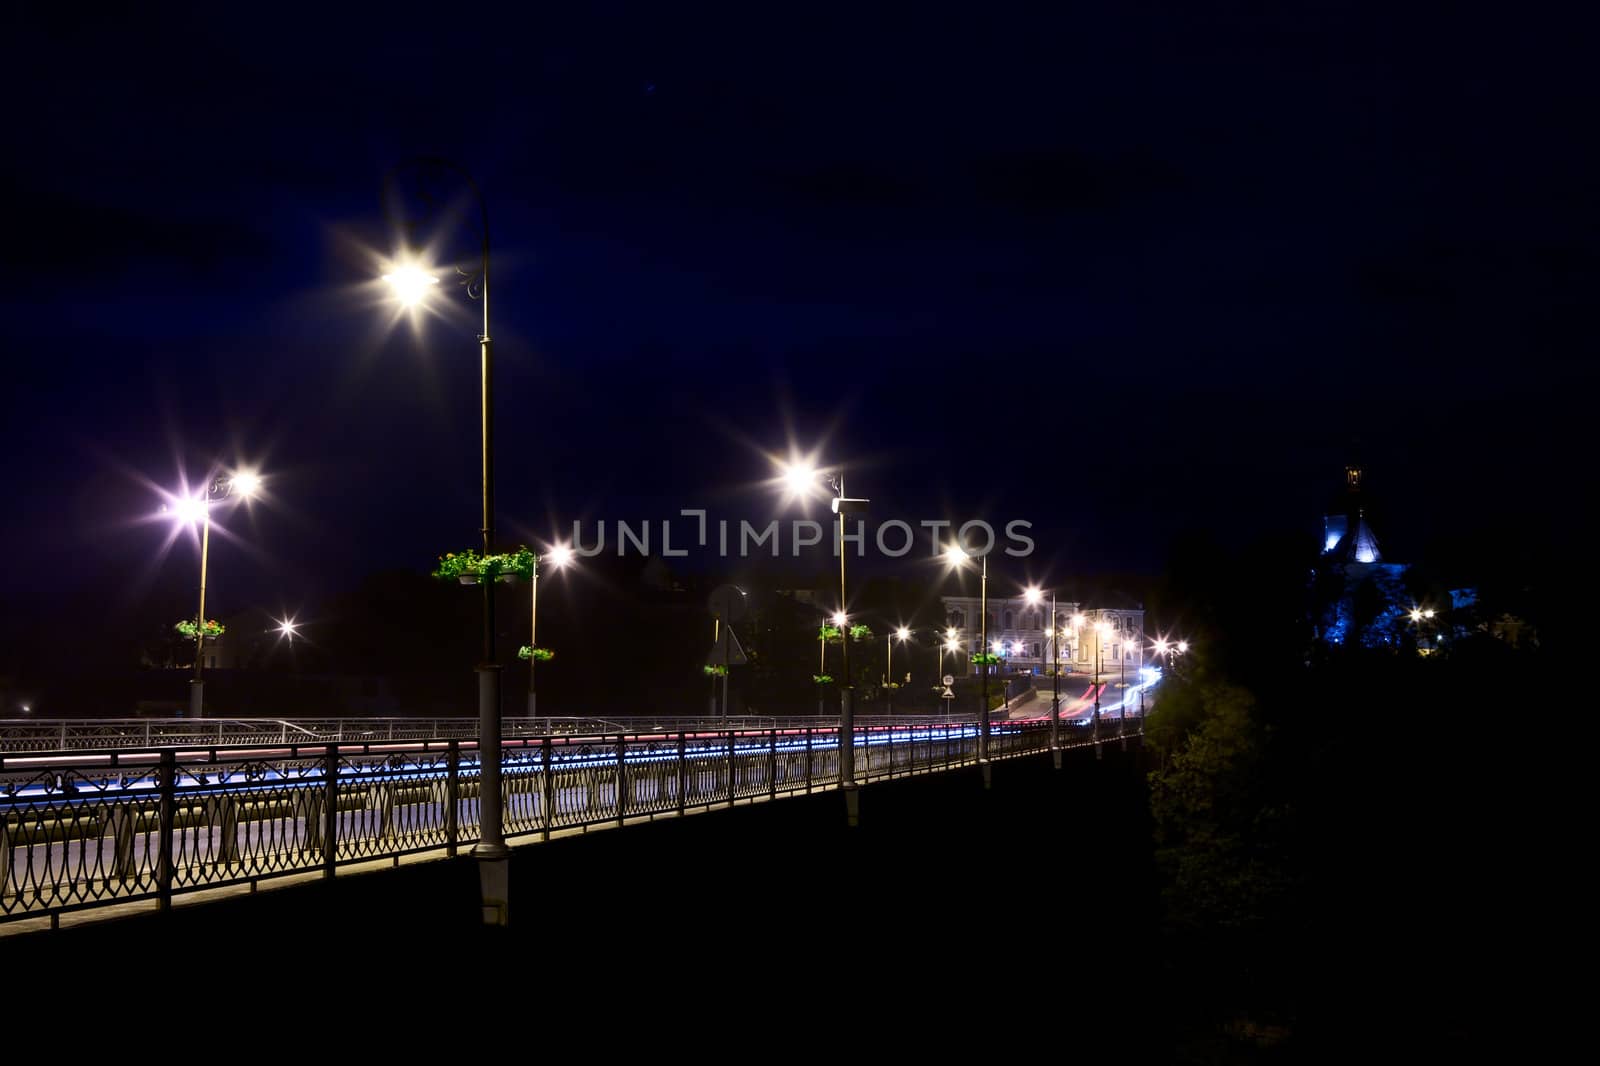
<point x="1191" y="254"/>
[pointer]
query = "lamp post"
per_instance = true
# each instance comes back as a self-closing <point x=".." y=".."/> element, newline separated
<point x="243" y="484"/>
<point x="1035" y="596"/>
<point x="559" y="556"/>
<point x="801" y="480"/>
<point x="956" y="556"/>
<point x="412" y="284"/>
<point x="902" y="635"/>
<point x="1101" y="631"/>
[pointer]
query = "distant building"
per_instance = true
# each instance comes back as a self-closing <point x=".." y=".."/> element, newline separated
<point x="1019" y="632"/>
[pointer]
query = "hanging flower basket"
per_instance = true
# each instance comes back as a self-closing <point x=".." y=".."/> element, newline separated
<point x="543" y="655"/>
<point x="715" y="671"/>
<point x="822" y="679"/>
<point x="193" y="631"/>
<point x="829" y="634"/>
<point x="470" y="568"/>
<point x="985" y="659"/>
<point x="860" y="633"/>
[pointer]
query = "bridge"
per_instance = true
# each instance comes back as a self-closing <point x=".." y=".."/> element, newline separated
<point x="130" y="812"/>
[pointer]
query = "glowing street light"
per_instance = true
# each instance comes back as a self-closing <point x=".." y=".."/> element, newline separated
<point x="411" y="285"/>
<point x="189" y="510"/>
<point x="557" y="557"/>
<point x="801" y="478"/>
<point x="288" y="629"/>
<point x="956" y="557"/>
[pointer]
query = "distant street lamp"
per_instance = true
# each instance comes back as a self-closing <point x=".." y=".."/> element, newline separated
<point x="1035" y="596"/>
<point x="413" y="284"/>
<point x="902" y="635"/>
<point x="244" y="484"/>
<point x="1101" y="631"/>
<point x="558" y="556"/>
<point x="956" y="556"/>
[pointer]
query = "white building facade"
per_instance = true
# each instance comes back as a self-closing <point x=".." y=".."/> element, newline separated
<point x="1110" y="640"/>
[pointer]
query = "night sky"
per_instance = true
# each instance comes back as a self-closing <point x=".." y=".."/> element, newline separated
<point x="1124" y="275"/>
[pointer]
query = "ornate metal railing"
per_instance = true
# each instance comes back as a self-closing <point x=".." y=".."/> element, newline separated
<point x="99" y="734"/>
<point x="83" y="829"/>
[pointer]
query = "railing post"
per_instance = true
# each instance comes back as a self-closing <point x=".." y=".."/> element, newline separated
<point x="147" y="734"/>
<point x="167" y="819"/>
<point x="683" y="771"/>
<point x="622" y="777"/>
<point x="548" y="787"/>
<point x="808" y="760"/>
<point x="330" y="803"/>
<point x="223" y="816"/>
<point x="731" y="769"/>
<point x="772" y="764"/>
<point x="452" y="794"/>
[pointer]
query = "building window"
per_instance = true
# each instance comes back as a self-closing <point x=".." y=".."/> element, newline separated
<point x="958" y="620"/>
<point x="1011" y="620"/>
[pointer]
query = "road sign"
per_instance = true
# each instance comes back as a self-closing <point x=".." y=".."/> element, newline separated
<point x="947" y="694"/>
<point x="948" y="680"/>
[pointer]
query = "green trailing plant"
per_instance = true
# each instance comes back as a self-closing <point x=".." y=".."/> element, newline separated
<point x="860" y="633"/>
<point x="455" y="565"/>
<point x="891" y="685"/>
<point x="715" y="671"/>
<point x="822" y="679"/>
<point x="829" y="634"/>
<point x="984" y="658"/>
<point x="543" y="655"/>
<point x="193" y="631"/>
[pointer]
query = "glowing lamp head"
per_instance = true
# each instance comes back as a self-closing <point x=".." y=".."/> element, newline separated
<point x="246" y="483"/>
<point x="187" y="509"/>
<point x="799" y="479"/>
<point x="997" y="647"/>
<point x="558" y="556"/>
<point x="1428" y="613"/>
<point x="1033" y="595"/>
<point x="952" y="645"/>
<point x="288" y="628"/>
<point x="411" y="284"/>
<point x="1077" y="621"/>
<point x="1016" y="647"/>
<point x="902" y="633"/>
<point x="1183" y="646"/>
<point x="839" y="618"/>
<point x="1161" y="647"/>
<point x="954" y="555"/>
<point x="950" y="633"/>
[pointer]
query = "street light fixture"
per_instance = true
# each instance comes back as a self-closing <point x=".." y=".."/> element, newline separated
<point x="412" y="285"/>
<point x="1035" y="596"/>
<point x="956" y="556"/>
<point x="1101" y="631"/>
<point x="800" y="479"/>
<point x="558" y="557"/>
<point x="243" y="484"/>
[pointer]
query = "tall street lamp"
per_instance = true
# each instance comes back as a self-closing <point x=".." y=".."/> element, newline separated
<point x="1101" y="631"/>
<point x="558" y="557"/>
<point x="956" y="556"/>
<point x="412" y="284"/>
<point x="244" y="485"/>
<point x="1034" y="596"/>
<point x="801" y="480"/>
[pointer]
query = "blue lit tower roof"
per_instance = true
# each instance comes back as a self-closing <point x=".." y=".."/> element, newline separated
<point x="1348" y="536"/>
